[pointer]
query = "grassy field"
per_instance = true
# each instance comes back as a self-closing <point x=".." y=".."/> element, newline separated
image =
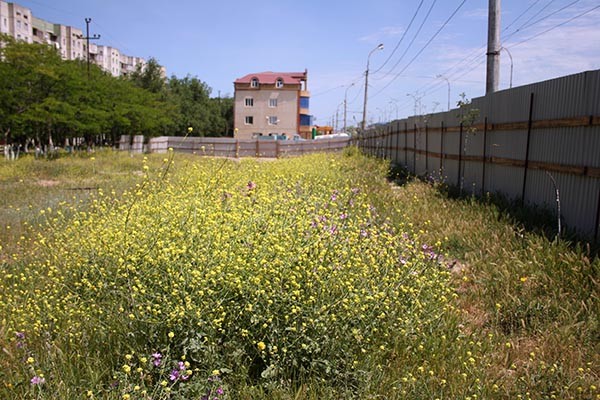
<point x="143" y="277"/>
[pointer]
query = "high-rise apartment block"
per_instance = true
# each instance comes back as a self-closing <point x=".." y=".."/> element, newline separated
<point x="18" y="22"/>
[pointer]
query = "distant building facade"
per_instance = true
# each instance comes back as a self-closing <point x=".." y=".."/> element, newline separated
<point x="272" y="104"/>
<point x="18" y="22"/>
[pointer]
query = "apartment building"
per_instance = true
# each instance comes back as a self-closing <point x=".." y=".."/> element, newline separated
<point x="272" y="104"/>
<point x="18" y="22"/>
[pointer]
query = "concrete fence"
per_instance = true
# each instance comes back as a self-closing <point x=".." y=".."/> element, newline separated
<point x="528" y="143"/>
<point x="230" y="147"/>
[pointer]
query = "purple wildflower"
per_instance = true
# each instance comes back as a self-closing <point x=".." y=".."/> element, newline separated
<point x="220" y="391"/>
<point x="334" y="195"/>
<point x="38" y="380"/>
<point x="343" y="216"/>
<point x="156" y="359"/>
<point x="179" y="373"/>
<point x="251" y="185"/>
<point x="174" y="375"/>
<point x="332" y="229"/>
<point x="20" y="335"/>
<point x="355" y="190"/>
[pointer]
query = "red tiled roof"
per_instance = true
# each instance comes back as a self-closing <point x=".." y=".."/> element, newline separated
<point x="269" y="77"/>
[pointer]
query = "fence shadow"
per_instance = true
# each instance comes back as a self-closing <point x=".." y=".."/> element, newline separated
<point x="531" y="218"/>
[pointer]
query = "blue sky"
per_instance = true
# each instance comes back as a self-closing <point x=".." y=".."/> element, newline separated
<point x="219" y="41"/>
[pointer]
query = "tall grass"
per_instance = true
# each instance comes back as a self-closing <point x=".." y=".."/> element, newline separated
<point x="300" y="278"/>
<point x="537" y="297"/>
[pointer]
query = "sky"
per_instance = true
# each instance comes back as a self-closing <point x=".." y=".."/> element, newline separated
<point x="433" y="50"/>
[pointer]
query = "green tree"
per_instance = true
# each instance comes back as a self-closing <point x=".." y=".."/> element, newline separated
<point x="150" y="77"/>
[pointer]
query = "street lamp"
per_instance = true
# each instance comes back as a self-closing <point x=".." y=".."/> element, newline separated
<point x="395" y="105"/>
<point x="511" y="64"/>
<point x="448" y="82"/>
<point x="364" y="120"/>
<point x="337" y="112"/>
<point x="417" y="100"/>
<point x="346" y="103"/>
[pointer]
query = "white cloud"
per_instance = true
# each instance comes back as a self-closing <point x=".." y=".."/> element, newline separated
<point x="568" y="49"/>
<point x="382" y="33"/>
<point x="478" y="13"/>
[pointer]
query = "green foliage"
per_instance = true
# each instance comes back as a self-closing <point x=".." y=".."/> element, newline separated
<point x="219" y="266"/>
<point x="272" y="274"/>
<point x="51" y="101"/>
<point x="467" y="115"/>
<point x="195" y="108"/>
<point x="538" y="299"/>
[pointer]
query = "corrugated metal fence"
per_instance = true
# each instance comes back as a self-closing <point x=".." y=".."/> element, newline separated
<point x="522" y="141"/>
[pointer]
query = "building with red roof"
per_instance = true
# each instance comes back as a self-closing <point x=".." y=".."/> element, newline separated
<point x="272" y="104"/>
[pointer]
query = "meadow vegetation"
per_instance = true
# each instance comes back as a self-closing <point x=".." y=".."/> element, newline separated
<point x="180" y="277"/>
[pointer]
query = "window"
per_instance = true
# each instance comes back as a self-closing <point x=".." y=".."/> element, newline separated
<point x="273" y="120"/>
<point x="249" y="102"/>
<point x="304" y="102"/>
<point x="279" y="83"/>
<point x="254" y="83"/>
<point x="19" y="24"/>
<point x="272" y="103"/>
<point x="249" y="120"/>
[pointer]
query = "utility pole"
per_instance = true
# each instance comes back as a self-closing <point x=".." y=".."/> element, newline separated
<point x="493" y="49"/>
<point x="346" y="104"/>
<point x="364" y="120"/>
<point x="87" y="40"/>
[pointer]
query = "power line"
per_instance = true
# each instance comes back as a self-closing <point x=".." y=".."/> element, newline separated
<point x="411" y="42"/>
<point x="523" y="27"/>
<point x="520" y="15"/>
<point x="423" y="48"/>
<point x="472" y="57"/>
<point x="556" y="26"/>
<point x="429" y="88"/>
<point x="402" y="38"/>
<point x="536" y="14"/>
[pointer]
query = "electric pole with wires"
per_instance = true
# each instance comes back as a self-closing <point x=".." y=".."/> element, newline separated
<point x="493" y="49"/>
<point x="87" y="40"/>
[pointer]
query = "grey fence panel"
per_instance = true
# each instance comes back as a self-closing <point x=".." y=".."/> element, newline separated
<point x="230" y="147"/>
<point x="549" y="128"/>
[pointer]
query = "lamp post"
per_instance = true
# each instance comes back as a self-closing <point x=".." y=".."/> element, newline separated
<point x="337" y="112"/>
<point x="417" y="100"/>
<point x="511" y="64"/>
<point x="346" y="104"/>
<point x="395" y="105"/>
<point x="364" y="120"/>
<point x="448" y="82"/>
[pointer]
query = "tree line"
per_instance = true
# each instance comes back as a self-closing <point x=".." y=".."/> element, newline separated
<point x="47" y="101"/>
